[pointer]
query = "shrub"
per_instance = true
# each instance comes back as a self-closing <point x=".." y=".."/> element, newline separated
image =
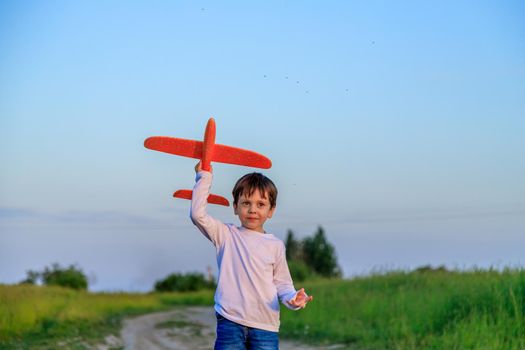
<point x="300" y="271"/>
<point x="313" y="256"/>
<point x="189" y="282"/>
<point x="70" y="277"/>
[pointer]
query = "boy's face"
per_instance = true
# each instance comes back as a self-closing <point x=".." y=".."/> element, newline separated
<point x="253" y="211"/>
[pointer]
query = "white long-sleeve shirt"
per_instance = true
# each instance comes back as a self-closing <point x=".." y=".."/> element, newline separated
<point x="253" y="273"/>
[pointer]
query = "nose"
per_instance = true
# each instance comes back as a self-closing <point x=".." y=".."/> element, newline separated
<point x="251" y="209"/>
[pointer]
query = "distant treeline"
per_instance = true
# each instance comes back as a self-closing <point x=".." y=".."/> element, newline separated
<point x="311" y="257"/>
<point x="307" y="258"/>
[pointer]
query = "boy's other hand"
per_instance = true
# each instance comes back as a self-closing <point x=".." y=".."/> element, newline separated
<point x="198" y="167"/>
<point x="300" y="299"/>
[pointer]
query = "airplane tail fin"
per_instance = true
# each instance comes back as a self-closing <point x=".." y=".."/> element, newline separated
<point x="212" y="198"/>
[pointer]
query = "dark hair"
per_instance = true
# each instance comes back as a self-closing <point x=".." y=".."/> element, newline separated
<point x="255" y="181"/>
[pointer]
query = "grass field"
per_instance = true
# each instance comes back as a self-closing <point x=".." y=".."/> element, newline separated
<point x="33" y="317"/>
<point x="395" y="310"/>
<point x="417" y="310"/>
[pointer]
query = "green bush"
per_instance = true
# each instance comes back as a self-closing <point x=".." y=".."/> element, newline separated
<point x="189" y="282"/>
<point x="300" y="271"/>
<point x="311" y="257"/>
<point x="70" y="277"/>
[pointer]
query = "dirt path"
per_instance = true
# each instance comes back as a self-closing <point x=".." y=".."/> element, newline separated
<point x="186" y="328"/>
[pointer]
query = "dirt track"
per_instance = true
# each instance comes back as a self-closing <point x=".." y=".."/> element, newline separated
<point x="186" y="328"/>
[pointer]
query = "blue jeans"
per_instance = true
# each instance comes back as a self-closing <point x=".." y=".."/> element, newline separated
<point x="234" y="336"/>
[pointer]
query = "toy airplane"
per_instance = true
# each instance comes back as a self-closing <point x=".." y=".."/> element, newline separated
<point x="207" y="151"/>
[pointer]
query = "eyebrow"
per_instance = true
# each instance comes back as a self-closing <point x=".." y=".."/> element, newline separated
<point x="248" y="193"/>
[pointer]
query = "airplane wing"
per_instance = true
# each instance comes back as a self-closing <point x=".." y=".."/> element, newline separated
<point x="173" y="145"/>
<point x="212" y="198"/>
<point x="221" y="153"/>
<point x="239" y="156"/>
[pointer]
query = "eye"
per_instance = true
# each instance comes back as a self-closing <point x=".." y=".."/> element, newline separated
<point x="245" y="203"/>
<point x="261" y="205"/>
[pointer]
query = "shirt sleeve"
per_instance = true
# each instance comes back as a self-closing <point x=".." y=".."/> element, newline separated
<point x="283" y="280"/>
<point x="210" y="227"/>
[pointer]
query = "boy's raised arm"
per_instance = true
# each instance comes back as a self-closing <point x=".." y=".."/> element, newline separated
<point x="209" y="226"/>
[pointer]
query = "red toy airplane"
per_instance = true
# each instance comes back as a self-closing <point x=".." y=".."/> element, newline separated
<point x="207" y="151"/>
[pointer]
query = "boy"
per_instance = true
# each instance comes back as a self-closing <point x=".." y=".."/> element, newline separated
<point x="253" y="273"/>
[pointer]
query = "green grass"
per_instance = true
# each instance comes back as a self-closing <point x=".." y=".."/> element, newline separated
<point x="394" y="310"/>
<point x="42" y="317"/>
<point x="418" y="310"/>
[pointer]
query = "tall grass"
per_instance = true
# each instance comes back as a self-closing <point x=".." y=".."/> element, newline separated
<point x="395" y="310"/>
<point x="32" y="313"/>
<point x="417" y="310"/>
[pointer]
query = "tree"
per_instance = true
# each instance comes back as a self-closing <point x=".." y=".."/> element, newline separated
<point x="319" y="254"/>
<point x="71" y="277"/>
<point x="293" y="247"/>
<point x="32" y="277"/>
<point x="311" y="256"/>
<point x="177" y="282"/>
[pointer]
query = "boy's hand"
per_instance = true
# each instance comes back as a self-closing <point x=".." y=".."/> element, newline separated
<point x="198" y="167"/>
<point x="300" y="299"/>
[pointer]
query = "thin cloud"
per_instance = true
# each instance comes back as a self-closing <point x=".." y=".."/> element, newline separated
<point x="16" y="213"/>
<point x="413" y="217"/>
<point x="93" y="219"/>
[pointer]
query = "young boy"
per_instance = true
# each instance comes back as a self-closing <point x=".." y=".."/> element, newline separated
<point x="253" y="273"/>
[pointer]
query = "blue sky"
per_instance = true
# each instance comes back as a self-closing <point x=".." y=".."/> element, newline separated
<point x="398" y="127"/>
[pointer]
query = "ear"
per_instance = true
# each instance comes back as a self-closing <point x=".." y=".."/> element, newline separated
<point x="270" y="213"/>
<point x="235" y="209"/>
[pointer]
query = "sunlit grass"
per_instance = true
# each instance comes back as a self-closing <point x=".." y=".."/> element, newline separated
<point x="35" y="312"/>
<point x="430" y="310"/>
<point x="394" y="310"/>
